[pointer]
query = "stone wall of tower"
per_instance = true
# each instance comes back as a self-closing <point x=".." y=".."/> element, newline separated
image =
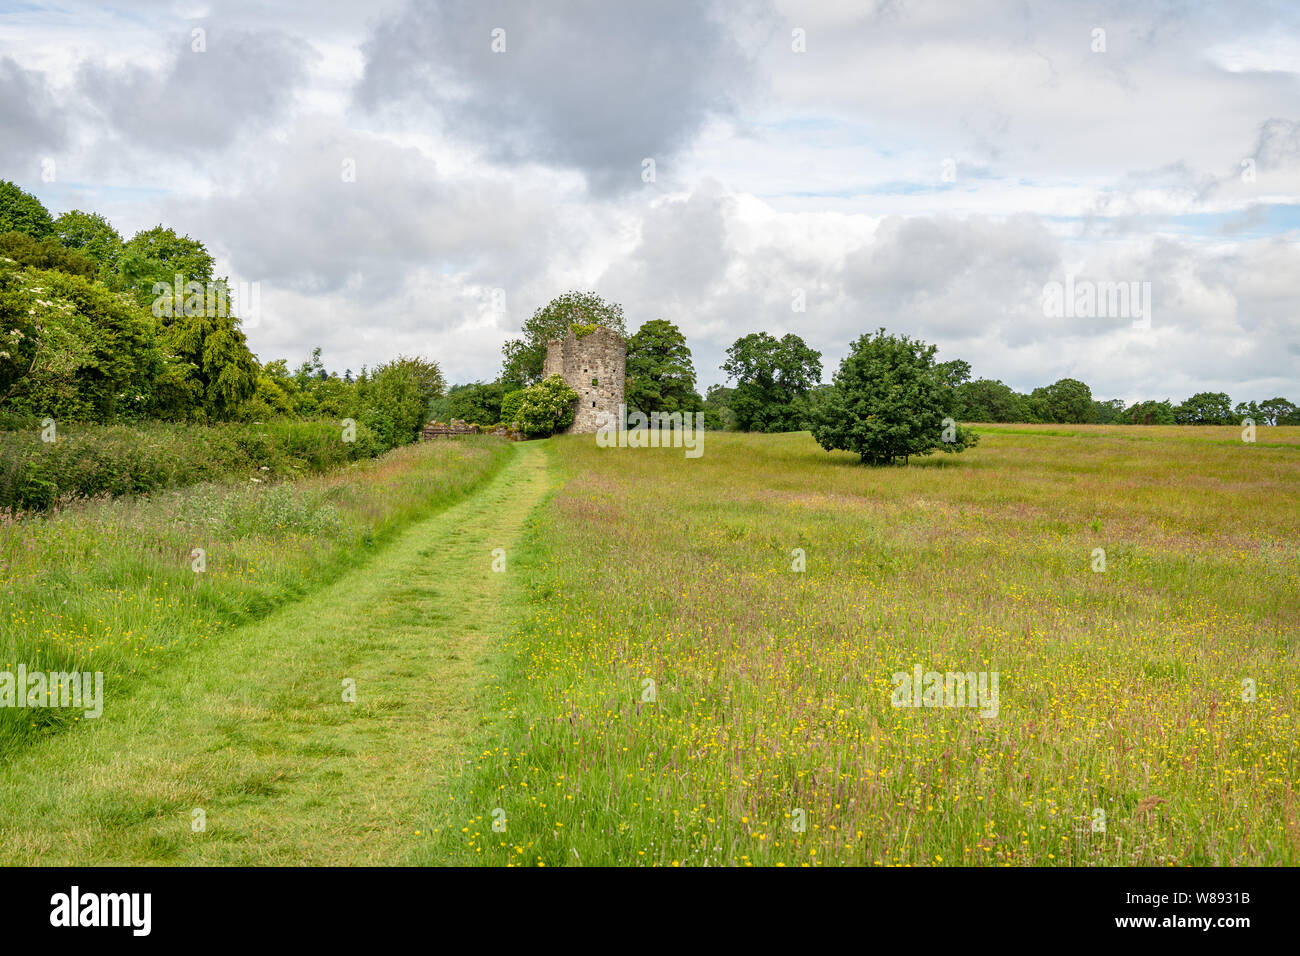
<point x="595" y="367"/>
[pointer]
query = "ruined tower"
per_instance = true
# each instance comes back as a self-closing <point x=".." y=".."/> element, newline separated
<point x="594" y="366"/>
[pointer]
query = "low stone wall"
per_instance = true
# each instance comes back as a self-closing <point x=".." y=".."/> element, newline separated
<point x="457" y="429"/>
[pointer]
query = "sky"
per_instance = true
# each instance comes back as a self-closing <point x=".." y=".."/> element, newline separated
<point x="417" y="178"/>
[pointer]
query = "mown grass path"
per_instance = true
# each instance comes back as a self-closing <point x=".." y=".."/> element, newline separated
<point x="253" y="729"/>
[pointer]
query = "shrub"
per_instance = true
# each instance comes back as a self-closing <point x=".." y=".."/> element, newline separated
<point x="546" y="408"/>
<point x="478" y="404"/>
<point x="396" y="399"/>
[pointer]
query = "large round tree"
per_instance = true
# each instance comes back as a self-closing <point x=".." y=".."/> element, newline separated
<point x="93" y="235"/>
<point x="20" y="211"/>
<point x="888" y="402"/>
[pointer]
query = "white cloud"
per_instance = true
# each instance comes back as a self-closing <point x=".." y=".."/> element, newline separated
<point x="825" y="171"/>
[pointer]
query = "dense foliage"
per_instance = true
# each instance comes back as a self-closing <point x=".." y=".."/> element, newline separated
<point x="546" y="408"/>
<point x="91" y="461"/>
<point x="96" y="328"/>
<point x="660" y="374"/>
<point x="889" y="401"/>
<point x="97" y="331"/>
<point x="773" y="377"/>
<point x="478" y="404"/>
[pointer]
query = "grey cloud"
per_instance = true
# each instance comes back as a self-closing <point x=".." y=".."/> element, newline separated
<point x="682" y="250"/>
<point x="956" y="276"/>
<point x="1279" y="144"/>
<point x="243" y="80"/>
<point x="974" y="287"/>
<point x="327" y="210"/>
<point x="582" y="84"/>
<point x="31" y="123"/>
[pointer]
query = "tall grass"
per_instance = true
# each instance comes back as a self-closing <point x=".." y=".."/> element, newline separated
<point x="89" y="461"/>
<point x="114" y="587"/>
<point x="1123" y="735"/>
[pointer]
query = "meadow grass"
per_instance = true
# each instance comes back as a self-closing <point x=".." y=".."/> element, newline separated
<point x="311" y="736"/>
<point x="1124" y="734"/>
<point x="105" y="461"/>
<point x="113" y="587"/>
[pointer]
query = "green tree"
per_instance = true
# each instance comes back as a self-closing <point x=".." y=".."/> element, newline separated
<point x="395" y="400"/>
<point x="987" y="400"/>
<point x="478" y="404"/>
<point x="1107" y="413"/>
<point x="1148" y="413"/>
<point x="718" y="415"/>
<point x="1242" y="411"/>
<point x="92" y="235"/>
<point x="154" y="257"/>
<point x="82" y="353"/>
<point x="216" y="371"/>
<point x="22" y="212"/>
<point x="1205" y="408"/>
<point x="220" y="369"/>
<point x="771" y="375"/>
<point x="45" y="254"/>
<point x="277" y="394"/>
<point x="889" y="402"/>
<point x="809" y="406"/>
<point x="660" y="374"/>
<point x="953" y="373"/>
<point x="525" y="358"/>
<point x="510" y="403"/>
<point x="1064" y="401"/>
<point x="1279" y="411"/>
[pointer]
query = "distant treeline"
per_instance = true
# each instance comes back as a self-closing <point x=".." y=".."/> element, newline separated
<point x="777" y="383"/>
<point x="1071" y="401"/>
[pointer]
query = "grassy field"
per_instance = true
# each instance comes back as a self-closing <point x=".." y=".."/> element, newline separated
<point x="114" y="586"/>
<point x="684" y="661"/>
<point x="768" y="736"/>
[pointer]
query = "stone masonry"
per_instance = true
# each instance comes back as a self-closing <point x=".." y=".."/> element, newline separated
<point x="594" y="366"/>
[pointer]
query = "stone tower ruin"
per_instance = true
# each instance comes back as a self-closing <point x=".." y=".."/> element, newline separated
<point x="594" y="366"/>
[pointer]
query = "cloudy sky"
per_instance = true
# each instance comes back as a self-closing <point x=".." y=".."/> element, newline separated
<point x="419" y="177"/>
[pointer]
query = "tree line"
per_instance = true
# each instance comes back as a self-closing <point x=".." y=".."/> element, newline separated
<point x="96" y="328"/>
<point x="775" y="384"/>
